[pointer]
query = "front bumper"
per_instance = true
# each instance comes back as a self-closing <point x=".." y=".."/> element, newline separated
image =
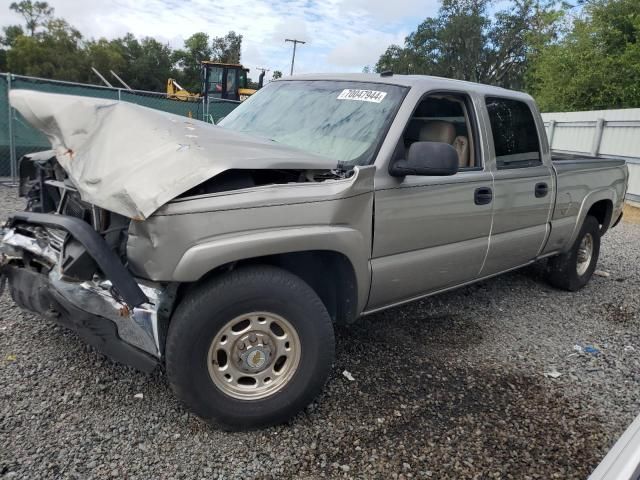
<point x="120" y="320"/>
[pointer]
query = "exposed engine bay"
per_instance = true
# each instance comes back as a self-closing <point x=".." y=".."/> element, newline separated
<point x="48" y="189"/>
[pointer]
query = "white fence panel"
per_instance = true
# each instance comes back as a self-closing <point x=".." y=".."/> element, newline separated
<point x="608" y="133"/>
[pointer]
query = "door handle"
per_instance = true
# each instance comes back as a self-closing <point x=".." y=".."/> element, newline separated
<point x="483" y="196"/>
<point x="541" y="190"/>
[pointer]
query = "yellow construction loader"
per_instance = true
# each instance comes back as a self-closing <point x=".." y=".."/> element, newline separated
<point x="219" y="80"/>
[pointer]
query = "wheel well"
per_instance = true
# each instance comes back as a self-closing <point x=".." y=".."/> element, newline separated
<point x="330" y="274"/>
<point x="602" y="211"/>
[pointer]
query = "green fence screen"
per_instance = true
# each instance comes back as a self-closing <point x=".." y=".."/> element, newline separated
<point x="18" y="138"/>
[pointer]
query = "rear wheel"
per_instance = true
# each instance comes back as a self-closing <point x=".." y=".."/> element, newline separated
<point x="572" y="270"/>
<point x="249" y="349"/>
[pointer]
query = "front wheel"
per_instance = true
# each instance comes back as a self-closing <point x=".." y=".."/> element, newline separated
<point x="572" y="270"/>
<point x="250" y="348"/>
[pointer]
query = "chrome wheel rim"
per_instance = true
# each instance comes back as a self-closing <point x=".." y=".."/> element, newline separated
<point x="585" y="252"/>
<point x="254" y="355"/>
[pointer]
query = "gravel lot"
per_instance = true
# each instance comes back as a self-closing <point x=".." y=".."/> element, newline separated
<point x="449" y="387"/>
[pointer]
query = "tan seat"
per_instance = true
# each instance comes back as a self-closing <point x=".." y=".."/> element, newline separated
<point x="461" y="144"/>
<point x="445" y="132"/>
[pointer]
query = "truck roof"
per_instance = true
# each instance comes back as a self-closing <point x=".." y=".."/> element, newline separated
<point x="423" y="81"/>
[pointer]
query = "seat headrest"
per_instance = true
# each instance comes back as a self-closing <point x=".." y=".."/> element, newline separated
<point x="438" y="131"/>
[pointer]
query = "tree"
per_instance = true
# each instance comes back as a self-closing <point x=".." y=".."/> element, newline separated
<point x="196" y="49"/>
<point x="465" y="43"/>
<point x="401" y="60"/>
<point x="55" y="53"/>
<point x="105" y="55"/>
<point x="35" y="14"/>
<point x="51" y="48"/>
<point x="596" y="64"/>
<point x="8" y="40"/>
<point x="147" y="63"/>
<point x="276" y="75"/>
<point x="227" y="49"/>
<point x="11" y="34"/>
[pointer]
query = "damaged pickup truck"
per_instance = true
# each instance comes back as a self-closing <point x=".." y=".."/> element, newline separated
<point x="227" y="253"/>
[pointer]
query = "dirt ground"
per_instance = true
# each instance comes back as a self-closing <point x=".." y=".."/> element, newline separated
<point x="452" y="386"/>
<point x="631" y="214"/>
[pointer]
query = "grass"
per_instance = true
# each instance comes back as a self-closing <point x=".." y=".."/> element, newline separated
<point x="631" y="214"/>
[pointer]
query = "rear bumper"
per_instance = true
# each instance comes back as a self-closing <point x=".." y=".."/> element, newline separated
<point x="97" y="310"/>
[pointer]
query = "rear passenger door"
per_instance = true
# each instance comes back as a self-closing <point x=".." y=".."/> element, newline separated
<point x="523" y="186"/>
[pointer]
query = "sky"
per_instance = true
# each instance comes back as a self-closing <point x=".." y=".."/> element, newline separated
<point x="341" y="35"/>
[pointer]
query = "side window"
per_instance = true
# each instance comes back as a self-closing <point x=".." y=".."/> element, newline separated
<point x="446" y="118"/>
<point x="215" y="81"/>
<point x="231" y="81"/>
<point x="514" y="131"/>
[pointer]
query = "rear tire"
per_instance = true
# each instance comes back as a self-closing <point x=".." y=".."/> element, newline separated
<point x="572" y="270"/>
<point x="224" y="354"/>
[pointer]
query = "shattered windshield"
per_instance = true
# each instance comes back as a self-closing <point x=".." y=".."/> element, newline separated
<point x="345" y="121"/>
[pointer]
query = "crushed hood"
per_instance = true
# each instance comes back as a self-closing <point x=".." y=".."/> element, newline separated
<point x="132" y="160"/>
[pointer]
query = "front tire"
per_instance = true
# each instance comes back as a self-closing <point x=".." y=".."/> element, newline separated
<point x="250" y="348"/>
<point x="572" y="270"/>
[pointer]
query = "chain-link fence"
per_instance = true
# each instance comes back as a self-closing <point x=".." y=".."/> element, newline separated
<point x="18" y="138"/>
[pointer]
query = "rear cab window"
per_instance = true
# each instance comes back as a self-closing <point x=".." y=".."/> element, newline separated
<point x="514" y="131"/>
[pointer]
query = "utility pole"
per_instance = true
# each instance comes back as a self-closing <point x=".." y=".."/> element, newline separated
<point x="295" y="43"/>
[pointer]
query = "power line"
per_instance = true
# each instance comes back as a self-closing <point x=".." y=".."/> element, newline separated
<point x="295" y="43"/>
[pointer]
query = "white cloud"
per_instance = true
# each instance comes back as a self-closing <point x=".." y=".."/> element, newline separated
<point x="390" y="11"/>
<point x="362" y="49"/>
<point x="341" y="34"/>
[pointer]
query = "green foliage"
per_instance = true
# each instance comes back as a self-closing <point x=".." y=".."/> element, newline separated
<point x="227" y="49"/>
<point x="36" y="14"/>
<point x="8" y="40"/>
<point x="106" y="55"/>
<point x="276" y="75"/>
<point x="11" y="34"/>
<point x="147" y="63"/>
<point x="51" y="48"/>
<point x="53" y="53"/>
<point x="196" y="49"/>
<point x="596" y="65"/>
<point x="465" y="43"/>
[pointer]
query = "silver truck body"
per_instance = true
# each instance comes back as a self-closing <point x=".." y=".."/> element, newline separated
<point x="372" y="239"/>
<point x="622" y="462"/>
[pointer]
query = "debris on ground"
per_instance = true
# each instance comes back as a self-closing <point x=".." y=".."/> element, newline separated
<point x="139" y="396"/>
<point x="595" y="351"/>
<point x="348" y="376"/>
<point x="552" y="373"/>
<point x="602" y="273"/>
<point x="592" y="350"/>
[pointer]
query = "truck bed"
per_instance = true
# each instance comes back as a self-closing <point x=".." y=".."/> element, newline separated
<point x="584" y="160"/>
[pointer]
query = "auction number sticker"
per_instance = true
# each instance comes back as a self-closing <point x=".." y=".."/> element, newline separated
<point x="373" y="96"/>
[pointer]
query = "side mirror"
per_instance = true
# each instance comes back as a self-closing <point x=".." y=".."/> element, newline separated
<point x="427" y="158"/>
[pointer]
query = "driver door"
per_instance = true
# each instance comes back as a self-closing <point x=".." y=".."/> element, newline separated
<point x="430" y="232"/>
